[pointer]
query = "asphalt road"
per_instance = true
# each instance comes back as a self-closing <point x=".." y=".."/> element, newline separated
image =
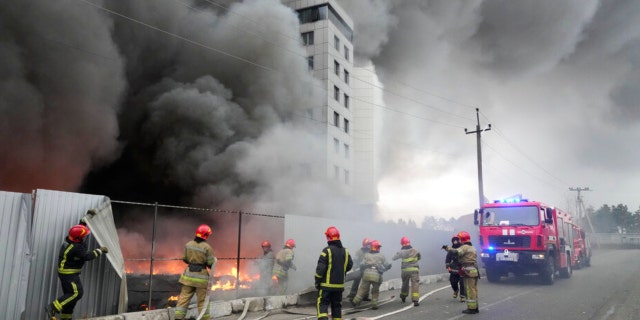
<point x="608" y="290"/>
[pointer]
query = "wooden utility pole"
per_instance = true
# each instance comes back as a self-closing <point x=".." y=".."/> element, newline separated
<point x="478" y="133"/>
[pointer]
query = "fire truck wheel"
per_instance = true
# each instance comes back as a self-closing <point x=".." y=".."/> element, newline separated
<point x="548" y="273"/>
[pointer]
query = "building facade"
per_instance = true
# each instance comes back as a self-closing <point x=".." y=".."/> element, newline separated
<point x="327" y="33"/>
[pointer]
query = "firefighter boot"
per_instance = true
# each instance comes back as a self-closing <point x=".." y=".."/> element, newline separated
<point x="416" y="303"/>
<point x="462" y="299"/>
<point x="455" y="294"/>
<point x="471" y="311"/>
<point x="49" y="312"/>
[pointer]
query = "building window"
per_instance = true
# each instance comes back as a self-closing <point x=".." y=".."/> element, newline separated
<point x="346" y="76"/>
<point x="336" y="68"/>
<point x="336" y="145"/>
<point x="346" y="101"/>
<point x="336" y="172"/>
<point x="346" y="176"/>
<point x="336" y="43"/>
<point x="312" y="14"/>
<point x="310" y="62"/>
<point x="336" y="119"/>
<point x="336" y="93"/>
<point x="346" y="125"/>
<point x="346" y="53"/>
<point x="307" y="38"/>
<point x="346" y="151"/>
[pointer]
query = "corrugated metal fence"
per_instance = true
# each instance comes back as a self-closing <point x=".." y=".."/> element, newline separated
<point x="33" y="228"/>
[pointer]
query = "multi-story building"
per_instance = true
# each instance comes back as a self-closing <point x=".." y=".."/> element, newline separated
<point x="327" y="34"/>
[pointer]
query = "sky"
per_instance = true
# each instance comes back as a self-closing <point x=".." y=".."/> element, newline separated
<point x="197" y="102"/>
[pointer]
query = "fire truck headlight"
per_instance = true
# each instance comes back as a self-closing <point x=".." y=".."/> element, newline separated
<point x="539" y="256"/>
<point x="484" y="255"/>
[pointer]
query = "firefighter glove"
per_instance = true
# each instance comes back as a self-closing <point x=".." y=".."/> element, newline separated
<point x="92" y="212"/>
<point x="83" y="222"/>
<point x="317" y="285"/>
<point x="104" y="249"/>
<point x="445" y="247"/>
<point x="293" y="267"/>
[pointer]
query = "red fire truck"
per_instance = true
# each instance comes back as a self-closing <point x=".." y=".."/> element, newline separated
<point x="581" y="248"/>
<point x="522" y="237"/>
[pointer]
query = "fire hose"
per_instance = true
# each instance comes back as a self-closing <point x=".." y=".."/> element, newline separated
<point x="205" y="306"/>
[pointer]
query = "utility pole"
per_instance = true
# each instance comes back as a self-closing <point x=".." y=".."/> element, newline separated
<point x="580" y="206"/>
<point x="478" y="132"/>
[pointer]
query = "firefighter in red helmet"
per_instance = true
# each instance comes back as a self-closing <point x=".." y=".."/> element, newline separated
<point x="410" y="270"/>
<point x="333" y="264"/>
<point x="265" y="265"/>
<point x="468" y="258"/>
<point x="374" y="265"/>
<point x="284" y="262"/>
<point x="356" y="273"/>
<point x="71" y="257"/>
<point x="199" y="256"/>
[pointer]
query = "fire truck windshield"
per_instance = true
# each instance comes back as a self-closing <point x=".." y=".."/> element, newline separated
<point x="511" y="216"/>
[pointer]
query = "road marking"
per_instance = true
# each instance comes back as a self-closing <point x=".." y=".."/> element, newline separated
<point x="407" y="307"/>
<point x="498" y="302"/>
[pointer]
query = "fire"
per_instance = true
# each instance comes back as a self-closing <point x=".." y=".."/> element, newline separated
<point x="227" y="280"/>
<point x="173" y="298"/>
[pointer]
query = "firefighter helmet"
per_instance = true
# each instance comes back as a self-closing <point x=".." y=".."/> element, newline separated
<point x="404" y="241"/>
<point x="265" y="244"/>
<point x="203" y="231"/>
<point x="78" y="232"/>
<point x="290" y="243"/>
<point x="366" y="242"/>
<point x="454" y="238"/>
<point x="464" y="236"/>
<point x="375" y="246"/>
<point x="332" y="233"/>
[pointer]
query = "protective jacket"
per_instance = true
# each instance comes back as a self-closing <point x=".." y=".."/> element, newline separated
<point x="284" y="262"/>
<point x="452" y="260"/>
<point x="410" y="258"/>
<point x="199" y="255"/>
<point x="333" y="263"/>
<point x="73" y="255"/>
<point x="468" y="259"/>
<point x="373" y="265"/>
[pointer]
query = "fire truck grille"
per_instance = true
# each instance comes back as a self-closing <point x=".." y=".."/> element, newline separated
<point x="510" y="241"/>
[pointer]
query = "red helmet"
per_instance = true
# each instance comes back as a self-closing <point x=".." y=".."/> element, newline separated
<point x="265" y="244"/>
<point x="366" y="242"/>
<point x="203" y="231"/>
<point x="78" y="232"/>
<point x="464" y="236"/>
<point x="375" y="246"/>
<point x="290" y="243"/>
<point x="404" y="241"/>
<point x="332" y="233"/>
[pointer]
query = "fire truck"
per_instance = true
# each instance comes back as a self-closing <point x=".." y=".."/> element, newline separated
<point x="521" y="237"/>
<point x="581" y="248"/>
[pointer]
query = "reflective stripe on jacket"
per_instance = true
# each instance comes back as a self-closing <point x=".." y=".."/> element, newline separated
<point x="333" y="263"/>
<point x="410" y="258"/>
<point x="72" y="257"/>
<point x="284" y="261"/>
<point x="197" y="253"/>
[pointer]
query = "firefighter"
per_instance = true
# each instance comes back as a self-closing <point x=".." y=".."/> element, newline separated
<point x="453" y="267"/>
<point x="284" y="262"/>
<point x="265" y="264"/>
<point x="199" y="256"/>
<point x="71" y="257"/>
<point x="333" y="264"/>
<point x="374" y="264"/>
<point x="410" y="271"/>
<point x="357" y="272"/>
<point x="468" y="258"/>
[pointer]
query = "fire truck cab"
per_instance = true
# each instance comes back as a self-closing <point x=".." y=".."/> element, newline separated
<point x="521" y="237"/>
